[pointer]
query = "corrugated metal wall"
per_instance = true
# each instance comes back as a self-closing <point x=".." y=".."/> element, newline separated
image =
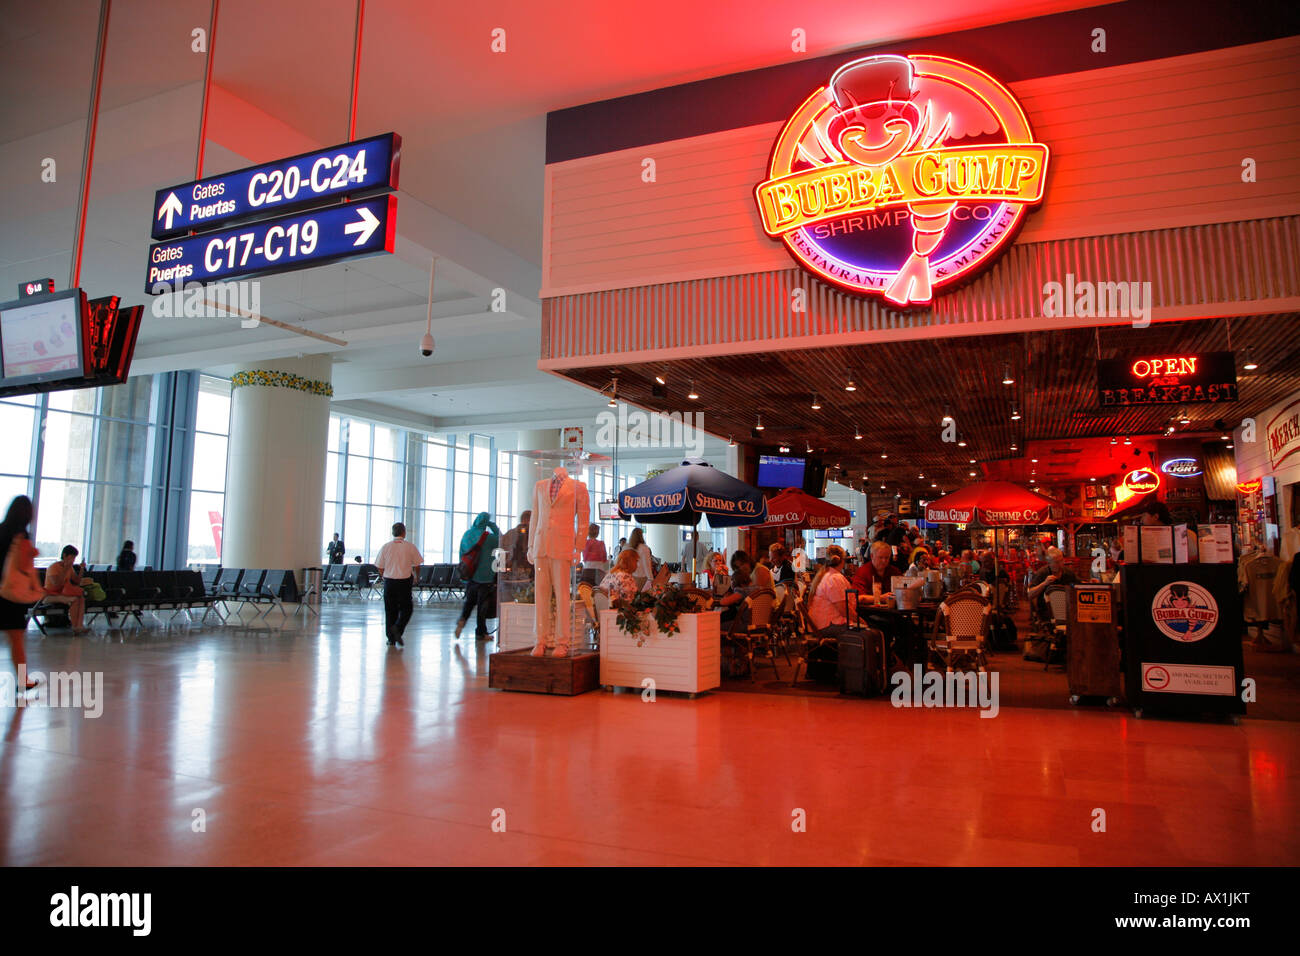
<point x="1233" y="268"/>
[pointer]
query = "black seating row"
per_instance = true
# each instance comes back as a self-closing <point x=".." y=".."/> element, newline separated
<point x="440" y="582"/>
<point x="135" y="593"/>
<point x="349" y="579"/>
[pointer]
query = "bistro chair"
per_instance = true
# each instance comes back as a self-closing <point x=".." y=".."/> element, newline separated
<point x="1058" y="606"/>
<point x="961" y="631"/>
<point x="751" y="631"/>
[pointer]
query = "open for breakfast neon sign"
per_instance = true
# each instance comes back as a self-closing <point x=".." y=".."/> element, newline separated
<point x="902" y="175"/>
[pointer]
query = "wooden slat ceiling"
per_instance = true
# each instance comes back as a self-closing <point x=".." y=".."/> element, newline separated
<point x="903" y="387"/>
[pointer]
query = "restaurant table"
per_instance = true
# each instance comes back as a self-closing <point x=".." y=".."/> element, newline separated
<point x="906" y="629"/>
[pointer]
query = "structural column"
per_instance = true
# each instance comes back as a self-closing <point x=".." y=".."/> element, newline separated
<point x="275" y="464"/>
<point x="547" y="439"/>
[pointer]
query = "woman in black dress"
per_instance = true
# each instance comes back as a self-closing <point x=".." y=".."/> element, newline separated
<point x="13" y="617"/>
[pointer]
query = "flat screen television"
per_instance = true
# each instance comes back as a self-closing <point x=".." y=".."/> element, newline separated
<point x="814" y="479"/>
<point x="43" y="339"/>
<point x="609" y="511"/>
<point x="775" y="471"/>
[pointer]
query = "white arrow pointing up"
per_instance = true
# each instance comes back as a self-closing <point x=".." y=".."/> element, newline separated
<point x="171" y="207"/>
<point x="368" y="223"/>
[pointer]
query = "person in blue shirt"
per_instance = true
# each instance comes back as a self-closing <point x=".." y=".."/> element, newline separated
<point x="480" y="589"/>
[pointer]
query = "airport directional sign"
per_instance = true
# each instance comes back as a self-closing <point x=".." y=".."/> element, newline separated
<point x="356" y="169"/>
<point x="296" y="241"/>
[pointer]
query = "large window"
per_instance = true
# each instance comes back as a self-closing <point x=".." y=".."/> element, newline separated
<point x="208" y="473"/>
<point x="377" y="475"/>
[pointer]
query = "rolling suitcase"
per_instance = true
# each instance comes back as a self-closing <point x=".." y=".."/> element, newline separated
<point x="862" y="654"/>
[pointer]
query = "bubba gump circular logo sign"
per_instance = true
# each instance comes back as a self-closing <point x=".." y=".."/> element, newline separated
<point x="902" y="175"/>
<point x="1184" y="612"/>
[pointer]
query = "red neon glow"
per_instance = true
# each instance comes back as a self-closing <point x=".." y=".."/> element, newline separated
<point x="913" y="132"/>
<point x="1181" y="365"/>
<point x="1249" y="487"/>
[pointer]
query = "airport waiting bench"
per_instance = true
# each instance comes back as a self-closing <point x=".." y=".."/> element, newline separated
<point x="134" y="594"/>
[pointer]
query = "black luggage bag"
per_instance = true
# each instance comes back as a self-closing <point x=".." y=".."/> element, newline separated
<point x="862" y="653"/>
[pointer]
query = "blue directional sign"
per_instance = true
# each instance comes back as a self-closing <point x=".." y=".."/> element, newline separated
<point x="276" y="245"/>
<point x="353" y="169"/>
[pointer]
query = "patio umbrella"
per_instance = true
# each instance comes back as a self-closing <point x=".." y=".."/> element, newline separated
<point x="991" y="504"/>
<point x="693" y="489"/>
<point x="795" y="508"/>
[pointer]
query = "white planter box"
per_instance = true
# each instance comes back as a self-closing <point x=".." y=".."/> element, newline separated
<point x="518" y="625"/>
<point x="688" y="661"/>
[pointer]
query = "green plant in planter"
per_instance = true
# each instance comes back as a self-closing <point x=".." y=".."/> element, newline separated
<point x="665" y="603"/>
<point x="526" y="595"/>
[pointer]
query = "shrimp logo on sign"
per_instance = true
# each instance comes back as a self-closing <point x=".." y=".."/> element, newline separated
<point x="901" y="176"/>
<point x="1184" y="612"/>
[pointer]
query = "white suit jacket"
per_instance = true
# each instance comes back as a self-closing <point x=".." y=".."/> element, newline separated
<point x="559" y="527"/>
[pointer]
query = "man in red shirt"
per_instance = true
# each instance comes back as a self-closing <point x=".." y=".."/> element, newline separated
<point x="879" y="569"/>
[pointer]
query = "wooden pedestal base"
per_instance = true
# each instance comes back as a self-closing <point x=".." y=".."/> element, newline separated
<point x="567" y="676"/>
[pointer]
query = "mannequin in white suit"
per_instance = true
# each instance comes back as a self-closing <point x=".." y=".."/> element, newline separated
<point x="561" y="512"/>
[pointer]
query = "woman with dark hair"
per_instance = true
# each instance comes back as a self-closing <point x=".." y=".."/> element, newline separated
<point x="1156" y="513"/>
<point x="126" y="559"/>
<point x="13" y="616"/>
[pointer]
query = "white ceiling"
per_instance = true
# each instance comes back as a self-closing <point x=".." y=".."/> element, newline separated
<point x="473" y="129"/>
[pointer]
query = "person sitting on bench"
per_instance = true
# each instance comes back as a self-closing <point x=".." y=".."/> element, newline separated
<point x="63" y="586"/>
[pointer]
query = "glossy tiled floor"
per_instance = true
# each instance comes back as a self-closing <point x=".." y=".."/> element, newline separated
<point x="319" y="745"/>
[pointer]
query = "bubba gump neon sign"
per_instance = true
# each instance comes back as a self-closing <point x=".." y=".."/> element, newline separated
<point x="902" y="175"/>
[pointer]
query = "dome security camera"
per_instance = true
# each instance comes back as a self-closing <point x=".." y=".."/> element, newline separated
<point x="426" y="345"/>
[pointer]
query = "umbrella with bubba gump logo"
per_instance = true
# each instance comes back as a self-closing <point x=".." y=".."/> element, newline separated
<point x="692" y="490"/>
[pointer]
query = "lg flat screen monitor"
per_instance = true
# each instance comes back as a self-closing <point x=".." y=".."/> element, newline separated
<point x="42" y="339"/>
<point x="609" y="511"/>
<point x="777" y="472"/>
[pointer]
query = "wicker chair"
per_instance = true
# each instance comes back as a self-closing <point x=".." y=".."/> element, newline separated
<point x="1058" y="604"/>
<point x="961" y="631"/>
<point x="754" y="638"/>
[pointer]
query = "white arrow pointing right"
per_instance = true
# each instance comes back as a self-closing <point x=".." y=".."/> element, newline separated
<point x="171" y="207"/>
<point x="366" y="226"/>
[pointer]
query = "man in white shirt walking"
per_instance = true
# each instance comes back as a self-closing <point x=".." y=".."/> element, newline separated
<point x="397" y="562"/>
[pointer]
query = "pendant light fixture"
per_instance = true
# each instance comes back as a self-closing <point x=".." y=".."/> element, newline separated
<point x="692" y="395"/>
<point x="857" y="433"/>
<point x="731" y="442"/>
<point x="850" y="385"/>
<point x="1015" y="412"/>
<point x="613" y="393"/>
<point x="1251" y="364"/>
<point x="947" y="414"/>
<point x="758" y="421"/>
<point x="1127" y="440"/>
<point x="815" y="403"/>
<point x="1006" y="375"/>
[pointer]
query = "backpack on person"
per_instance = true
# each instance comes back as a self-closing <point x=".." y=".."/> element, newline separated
<point x="469" y="560"/>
